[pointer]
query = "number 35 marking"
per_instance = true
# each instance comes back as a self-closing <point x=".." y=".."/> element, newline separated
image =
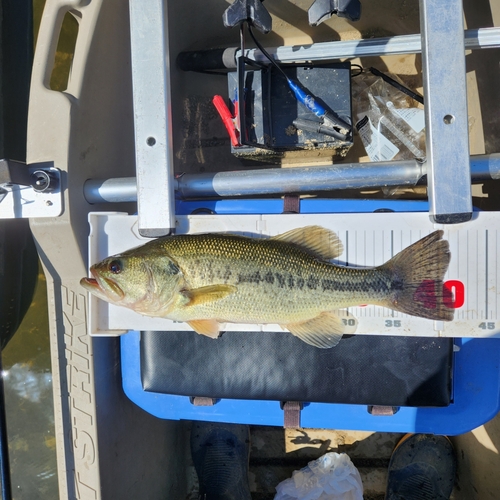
<point x="389" y="323"/>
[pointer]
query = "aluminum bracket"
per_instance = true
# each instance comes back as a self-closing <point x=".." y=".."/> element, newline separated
<point x="24" y="201"/>
<point x="152" y="116"/>
<point x="447" y="130"/>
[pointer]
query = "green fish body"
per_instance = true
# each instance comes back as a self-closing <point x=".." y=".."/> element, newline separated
<point x="210" y="279"/>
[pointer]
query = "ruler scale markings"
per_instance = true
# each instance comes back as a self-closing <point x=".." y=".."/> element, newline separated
<point x="389" y="311"/>
<point x="467" y="274"/>
<point x="480" y="277"/>
<point x="471" y="270"/>
<point x="477" y="286"/>
<point x="392" y="243"/>
<point x="382" y="247"/>
<point x="493" y="277"/>
<point x="486" y="278"/>
<point x="356" y="247"/>
<point x="467" y="290"/>
<point x="406" y="243"/>
<point x="374" y="243"/>
<point x="364" y="248"/>
<point x="492" y="302"/>
<point x="347" y="248"/>
<point x="367" y="253"/>
<point x="400" y="245"/>
<point x="459" y="269"/>
<point x="494" y="289"/>
<point x="478" y="311"/>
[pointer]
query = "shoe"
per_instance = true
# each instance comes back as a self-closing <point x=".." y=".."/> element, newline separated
<point x="220" y="455"/>
<point x="422" y="467"/>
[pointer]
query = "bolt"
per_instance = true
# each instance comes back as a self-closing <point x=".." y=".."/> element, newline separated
<point x="48" y="203"/>
<point x="41" y="181"/>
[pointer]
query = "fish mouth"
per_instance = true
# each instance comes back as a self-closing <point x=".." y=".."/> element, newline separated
<point x="89" y="283"/>
<point x="103" y="288"/>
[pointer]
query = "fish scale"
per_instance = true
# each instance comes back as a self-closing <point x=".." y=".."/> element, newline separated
<point x="289" y="279"/>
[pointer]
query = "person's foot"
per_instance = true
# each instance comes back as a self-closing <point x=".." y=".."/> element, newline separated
<point x="220" y="455"/>
<point x="422" y="467"/>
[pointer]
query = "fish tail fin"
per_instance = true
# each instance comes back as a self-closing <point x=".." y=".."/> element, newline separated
<point x="417" y="274"/>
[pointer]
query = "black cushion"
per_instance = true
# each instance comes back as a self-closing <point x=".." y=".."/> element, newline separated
<point x="362" y="369"/>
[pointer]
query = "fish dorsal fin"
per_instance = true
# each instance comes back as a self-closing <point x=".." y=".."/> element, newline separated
<point x="207" y="327"/>
<point x="205" y="294"/>
<point x="321" y="242"/>
<point x="324" y="331"/>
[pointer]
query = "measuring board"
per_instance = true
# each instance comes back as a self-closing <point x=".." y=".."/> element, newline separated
<point x="368" y="239"/>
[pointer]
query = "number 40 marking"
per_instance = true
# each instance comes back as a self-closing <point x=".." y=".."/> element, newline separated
<point x="453" y="294"/>
<point x="453" y="297"/>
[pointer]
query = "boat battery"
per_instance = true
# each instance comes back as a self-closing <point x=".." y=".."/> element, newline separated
<point x="273" y="123"/>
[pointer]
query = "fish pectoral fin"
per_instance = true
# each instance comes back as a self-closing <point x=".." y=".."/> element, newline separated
<point x="207" y="327"/>
<point x="317" y="240"/>
<point x="323" y="331"/>
<point x="207" y="294"/>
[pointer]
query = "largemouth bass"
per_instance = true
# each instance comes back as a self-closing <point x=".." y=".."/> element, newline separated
<point x="210" y="279"/>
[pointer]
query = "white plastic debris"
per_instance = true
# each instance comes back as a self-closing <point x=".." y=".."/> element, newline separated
<point x="330" y="477"/>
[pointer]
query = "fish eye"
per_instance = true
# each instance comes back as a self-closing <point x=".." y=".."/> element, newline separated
<point x="115" y="266"/>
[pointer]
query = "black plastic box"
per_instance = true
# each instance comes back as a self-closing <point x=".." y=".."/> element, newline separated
<point x="270" y="108"/>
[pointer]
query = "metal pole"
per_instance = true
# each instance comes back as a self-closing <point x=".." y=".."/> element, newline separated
<point x="403" y="44"/>
<point x="115" y="190"/>
<point x="281" y="181"/>
<point x="298" y="180"/>
<point x="219" y="59"/>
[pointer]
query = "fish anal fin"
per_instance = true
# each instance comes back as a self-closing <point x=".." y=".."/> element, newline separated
<point x="207" y="327"/>
<point x="205" y="294"/>
<point x="323" y="331"/>
<point x="349" y="322"/>
<point x="317" y="240"/>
